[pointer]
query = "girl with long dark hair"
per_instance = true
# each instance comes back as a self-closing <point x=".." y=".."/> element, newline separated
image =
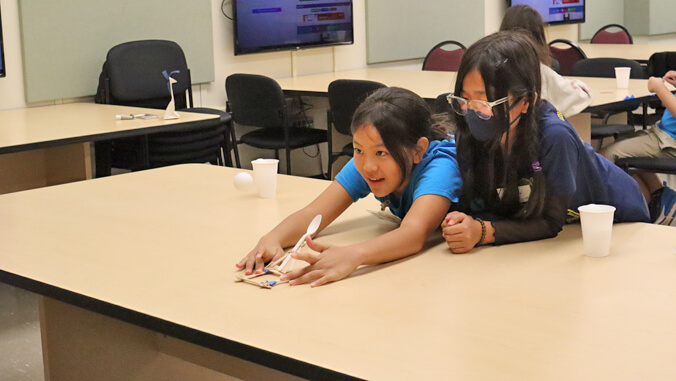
<point x="524" y="168"/>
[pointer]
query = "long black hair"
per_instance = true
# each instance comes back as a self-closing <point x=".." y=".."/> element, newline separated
<point x="509" y="66"/>
<point x="401" y="118"/>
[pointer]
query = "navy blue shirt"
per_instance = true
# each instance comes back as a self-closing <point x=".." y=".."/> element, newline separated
<point x="573" y="169"/>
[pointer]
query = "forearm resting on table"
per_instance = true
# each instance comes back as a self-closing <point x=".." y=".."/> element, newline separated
<point x="420" y="222"/>
<point x="399" y="243"/>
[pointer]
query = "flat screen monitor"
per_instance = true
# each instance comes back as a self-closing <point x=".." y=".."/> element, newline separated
<point x="2" y="50"/>
<point x="264" y="25"/>
<point x="556" y="12"/>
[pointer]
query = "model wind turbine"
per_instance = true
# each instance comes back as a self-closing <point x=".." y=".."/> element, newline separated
<point x="170" y="112"/>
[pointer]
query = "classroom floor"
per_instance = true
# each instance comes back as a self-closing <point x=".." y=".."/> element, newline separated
<point x="20" y="345"/>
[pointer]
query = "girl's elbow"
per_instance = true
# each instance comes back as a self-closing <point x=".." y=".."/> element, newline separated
<point x="553" y="230"/>
<point x="417" y="241"/>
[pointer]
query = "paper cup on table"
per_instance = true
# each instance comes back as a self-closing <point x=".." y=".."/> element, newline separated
<point x="597" y="226"/>
<point x="622" y="77"/>
<point x="265" y="176"/>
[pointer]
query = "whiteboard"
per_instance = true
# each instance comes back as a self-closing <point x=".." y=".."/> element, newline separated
<point x="65" y="42"/>
<point x="407" y="29"/>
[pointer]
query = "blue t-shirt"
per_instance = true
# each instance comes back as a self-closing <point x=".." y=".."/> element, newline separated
<point x="668" y="124"/>
<point x="437" y="173"/>
<point x="572" y="168"/>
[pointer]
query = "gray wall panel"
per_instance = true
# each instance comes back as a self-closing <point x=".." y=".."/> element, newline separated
<point x="65" y="42"/>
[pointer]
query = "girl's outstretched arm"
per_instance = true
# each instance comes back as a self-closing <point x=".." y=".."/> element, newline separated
<point x="337" y="262"/>
<point x="657" y="86"/>
<point x="330" y="204"/>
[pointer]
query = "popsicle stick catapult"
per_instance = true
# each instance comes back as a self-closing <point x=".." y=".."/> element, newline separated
<point x="277" y="267"/>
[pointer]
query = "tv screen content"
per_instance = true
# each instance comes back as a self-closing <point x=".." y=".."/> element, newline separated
<point x="557" y="11"/>
<point x="264" y="25"/>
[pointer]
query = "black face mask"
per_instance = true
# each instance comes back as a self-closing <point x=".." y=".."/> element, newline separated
<point x="485" y="130"/>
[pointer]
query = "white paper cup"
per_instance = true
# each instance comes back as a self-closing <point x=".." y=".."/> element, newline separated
<point x="597" y="226"/>
<point x="622" y="77"/>
<point x="265" y="176"/>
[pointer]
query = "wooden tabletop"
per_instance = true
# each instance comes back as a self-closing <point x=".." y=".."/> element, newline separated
<point x="39" y="127"/>
<point x="162" y="244"/>
<point x="639" y="52"/>
<point x="429" y="84"/>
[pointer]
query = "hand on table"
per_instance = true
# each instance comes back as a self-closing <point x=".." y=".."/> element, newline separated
<point x="461" y="232"/>
<point x="331" y="264"/>
<point x="671" y="77"/>
<point x="265" y="251"/>
<point x="654" y="83"/>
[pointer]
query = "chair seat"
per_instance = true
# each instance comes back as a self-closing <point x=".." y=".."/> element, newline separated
<point x="651" y="164"/>
<point x="599" y="131"/>
<point x="273" y="138"/>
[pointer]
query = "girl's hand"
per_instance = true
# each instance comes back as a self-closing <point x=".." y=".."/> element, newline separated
<point x="655" y="83"/>
<point x="461" y="232"/>
<point x="671" y="77"/>
<point x="332" y="264"/>
<point x="266" y="250"/>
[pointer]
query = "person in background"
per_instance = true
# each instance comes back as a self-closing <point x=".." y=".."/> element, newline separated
<point x="657" y="141"/>
<point x="524" y="168"/>
<point x="401" y="156"/>
<point x="570" y="96"/>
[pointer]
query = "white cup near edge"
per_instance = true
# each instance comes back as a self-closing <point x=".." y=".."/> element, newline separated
<point x="597" y="228"/>
<point x="622" y="75"/>
<point x="265" y="176"/>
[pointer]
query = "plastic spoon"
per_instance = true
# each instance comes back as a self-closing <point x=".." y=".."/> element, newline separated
<point x="311" y="229"/>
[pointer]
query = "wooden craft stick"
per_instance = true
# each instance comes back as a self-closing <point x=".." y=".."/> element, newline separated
<point x="278" y="261"/>
<point x="253" y="282"/>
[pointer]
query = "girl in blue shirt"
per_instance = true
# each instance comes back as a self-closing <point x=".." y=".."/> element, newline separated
<point x="405" y="160"/>
<point x="524" y="168"/>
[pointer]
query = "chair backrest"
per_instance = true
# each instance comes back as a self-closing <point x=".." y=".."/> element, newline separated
<point x="605" y="68"/>
<point x="132" y="75"/>
<point x="441" y="104"/>
<point x="660" y="63"/>
<point x="197" y="145"/>
<point x="256" y="100"/>
<point x="345" y="95"/>
<point x="566" y="56"/>
<point x="444" y="56"/>
<point x="603" y="36"/>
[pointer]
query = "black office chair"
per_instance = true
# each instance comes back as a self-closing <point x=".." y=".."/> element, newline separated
<point x="444" y="56"/>
<point x="258" y="101"/>
<point x="605" y="68"/>
<point x="132" y="76"/>
<point x="345" y="95"/>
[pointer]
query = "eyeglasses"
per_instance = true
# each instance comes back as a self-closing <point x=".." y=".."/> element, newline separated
<point x="482" y="109"/>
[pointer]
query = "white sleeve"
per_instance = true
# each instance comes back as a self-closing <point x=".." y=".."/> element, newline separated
<point x="569" y="96"/>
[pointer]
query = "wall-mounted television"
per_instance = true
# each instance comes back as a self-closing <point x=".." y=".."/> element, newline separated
<point x="264" y="25"/>
<point x="556" y="12"/>
<point x="2" y="50"/>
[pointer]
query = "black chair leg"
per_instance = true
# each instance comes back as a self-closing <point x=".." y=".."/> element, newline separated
<point x="288" y="161"/>
<point x="102" y="158"/>
<point x="234" y="146"/>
